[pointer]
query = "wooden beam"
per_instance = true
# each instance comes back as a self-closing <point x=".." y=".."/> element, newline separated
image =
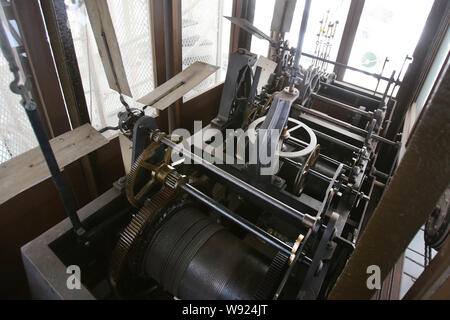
<point x="421" y="178"/>
<point x="63" y="48"/>
<point x="49" y="97"/>
<point x="177" y="39"/>
<point x="158" y="41"/>
<point x="234" y="33"/>
<point x="66" y="61"/>
<point x="30" y="168"/>
<point x="247" y="12"/>
<point x="166" y="37"/>
<point x="348" y="37"/>
<point x="283" y="15"/>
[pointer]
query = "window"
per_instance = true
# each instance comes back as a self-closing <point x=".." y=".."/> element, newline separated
<point x="387" y="29"/>
<point x="328" y="16"/>
<point x="327" y="12"/>
<point x="16" y="134"/>
<point x="433" y="74"/>
<point x="206" y="37"/>
<point x="263" y="21"/>
<point x="131" y="21"/>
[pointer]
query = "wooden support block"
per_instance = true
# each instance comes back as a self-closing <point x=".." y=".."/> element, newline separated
<point x="126" y="148"/>
<point x="168" y="93"/>
<point x="108" y="46"/>
<point x="30" y="168"/>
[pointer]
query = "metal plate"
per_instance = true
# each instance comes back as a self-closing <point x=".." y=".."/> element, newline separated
<point x="247" y="26"/>
<point x="108" y="47"/>
<point x="169" y="92"/>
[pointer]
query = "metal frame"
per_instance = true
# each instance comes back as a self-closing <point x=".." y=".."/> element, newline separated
<point x="395" y="221"/>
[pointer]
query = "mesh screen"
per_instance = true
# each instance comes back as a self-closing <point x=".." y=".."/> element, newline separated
<point x="206" y="37"/>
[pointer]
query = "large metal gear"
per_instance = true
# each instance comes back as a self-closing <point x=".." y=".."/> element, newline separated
<point x="145" y="215"/>
<point x="135" y="228"/>
<point x="300" y="179"/>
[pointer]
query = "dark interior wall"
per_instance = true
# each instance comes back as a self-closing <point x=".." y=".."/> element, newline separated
<point x="36" y="210"/>
<point x="203" y="107"/>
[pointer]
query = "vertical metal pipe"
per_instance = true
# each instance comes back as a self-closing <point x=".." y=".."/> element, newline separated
<point x="302" y="32"/>
<point x="61" y="186"/>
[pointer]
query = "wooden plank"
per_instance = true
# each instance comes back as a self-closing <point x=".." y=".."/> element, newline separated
<point x="283" y="14"/>
<point x="126" y="148"/>
<point x="30" y="168"/>
<point x="106" y="39"/>
<point x="169" y="92"/>
<point x="348" y="38"/>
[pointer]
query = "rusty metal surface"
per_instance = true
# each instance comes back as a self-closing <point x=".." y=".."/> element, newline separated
<point x="420" y="180"/>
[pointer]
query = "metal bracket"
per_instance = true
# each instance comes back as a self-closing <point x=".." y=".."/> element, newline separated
<point x="241" y="63"/>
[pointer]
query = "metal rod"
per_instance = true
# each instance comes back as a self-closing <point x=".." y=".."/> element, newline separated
<point x="384" y="140"/>
<point x="355" y="94"/>
<point x="342" y="124"/>
<point x="381" y="73"/>
<point x="383" y="102"/>
<point x="302" y="32"/>
<point x="310" y="171"/>
<point x="306" y="219"/>
<point x="337" y="141"/>
<point x="245" y="224"/>
<point x="301" y="143"/>
<point x="61" y="186"/>
<point x="341" y="105"/>
<point x="377" y="76"/>
<point x="330" y="119"/>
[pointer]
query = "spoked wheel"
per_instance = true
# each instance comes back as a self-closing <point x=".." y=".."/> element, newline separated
<point x="298" y="125"/>
<point x="143" y="169"/>
<point x="300" y="179"/>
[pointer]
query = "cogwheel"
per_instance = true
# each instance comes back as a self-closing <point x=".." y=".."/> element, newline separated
<point x="140" y="163"/>
<point x="137" y="225"/>
<point x="273" y="276"/>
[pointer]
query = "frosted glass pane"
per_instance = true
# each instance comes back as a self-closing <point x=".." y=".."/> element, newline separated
<point x="387" y="29"/>
<point x="322" y="14"/>
<point x="263" y="21"/>
<point x="206" y="37"/>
